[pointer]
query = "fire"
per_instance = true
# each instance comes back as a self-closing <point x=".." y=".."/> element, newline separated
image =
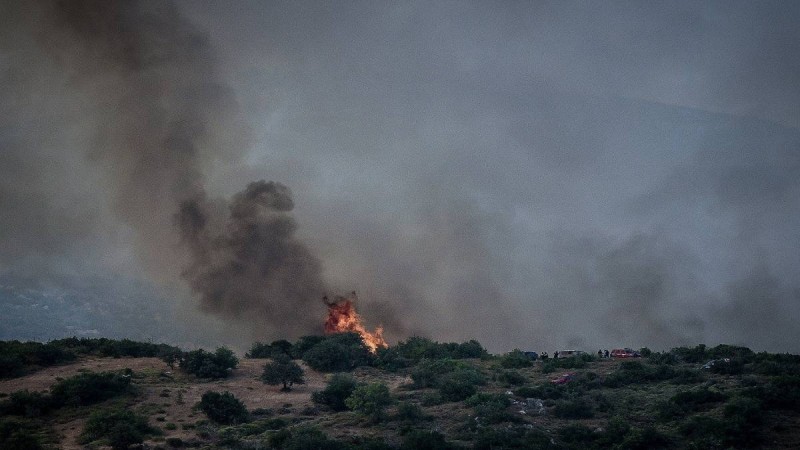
<point x="343" y="318"/>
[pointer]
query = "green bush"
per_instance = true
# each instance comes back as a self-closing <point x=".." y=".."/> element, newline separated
<point x="303" y="438"/>
<point x="339" y="387"/>
<point x="205" y="364"/>
<point x="688" y="402"/>
<point x="511" y="378"/>
<point x="260" y="350"/>
<point x="370" y="400"/>
<point x="460" y="384"/>
<point x="491" y="408"/>
<point x="341" y="352"/>
<point x="515" y="359"/>
<point x="427" y="372"/>
<point x="417" y="348"/>
<point x="89" y="388"/>
<point x="646" y="438"/>
<point x="425" y="440"/>
<point x="409" y="412"/>
<point x="578" y="408"/>
<point x="223" y="408"/>
<point x="282" y="370"/>
<point x="19" y="434"/>
<point x="121" y="428"/>
<point x="27" y="404"/>
<point x="495" y="438"/>
<point x="575" y="362"/>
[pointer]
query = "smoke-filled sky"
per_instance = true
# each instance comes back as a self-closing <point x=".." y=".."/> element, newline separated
<point x="537" y="175"/>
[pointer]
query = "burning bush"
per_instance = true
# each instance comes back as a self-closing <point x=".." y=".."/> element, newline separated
<point x="343" y="318"/>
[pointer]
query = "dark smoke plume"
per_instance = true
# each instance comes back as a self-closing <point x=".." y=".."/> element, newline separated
<point x="162" y="115"/>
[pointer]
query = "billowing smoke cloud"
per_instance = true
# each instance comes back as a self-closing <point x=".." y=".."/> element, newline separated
<point x="530" y="175"/>
<point x="161" y="116"/>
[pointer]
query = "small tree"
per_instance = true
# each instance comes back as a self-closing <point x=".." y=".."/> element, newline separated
<point x="282" y="370"/>
<point x="339" y="387"/>
<point x="370" y="400"/>
<point x="223" y="408"/>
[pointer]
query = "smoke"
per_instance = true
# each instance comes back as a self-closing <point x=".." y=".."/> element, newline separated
<point x="161" y="117"/>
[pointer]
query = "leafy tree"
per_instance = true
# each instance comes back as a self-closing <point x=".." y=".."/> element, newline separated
<point x="223" y="408"/>
<point x="336" y="392"/>
<point x="340" y="352"/>
<point x="370" y="400"/>
<point x="282" y="370"/>
<point x="205" y="364"/>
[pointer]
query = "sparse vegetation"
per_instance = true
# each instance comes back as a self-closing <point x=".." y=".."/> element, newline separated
<point x="662" y="400"/>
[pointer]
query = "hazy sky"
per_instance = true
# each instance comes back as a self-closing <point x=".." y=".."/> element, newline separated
<point x="529" y="174"/>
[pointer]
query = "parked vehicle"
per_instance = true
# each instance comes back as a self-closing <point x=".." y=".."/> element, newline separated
<point x="532" y="355"/>
<point x="563" y="379"/>
<point x="625" y="353"/>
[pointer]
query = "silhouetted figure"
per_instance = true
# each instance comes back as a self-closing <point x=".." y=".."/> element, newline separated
<point x="606" y="353"/>
<point x="544" y="356"/>
<point x="599" y="353"/>
<point x="555" y="355"/>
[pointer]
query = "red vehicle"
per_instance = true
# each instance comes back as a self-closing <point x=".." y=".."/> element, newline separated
<point x="563" y="379"/>
<point x="625" y="353"/>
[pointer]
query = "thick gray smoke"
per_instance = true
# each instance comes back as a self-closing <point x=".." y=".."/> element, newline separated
<point x="161" y="116"/>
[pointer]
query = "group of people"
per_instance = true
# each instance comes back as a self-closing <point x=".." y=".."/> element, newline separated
<point x="603" y="354"/>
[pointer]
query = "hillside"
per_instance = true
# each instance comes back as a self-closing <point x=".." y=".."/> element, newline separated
<point x="441" y="396"/>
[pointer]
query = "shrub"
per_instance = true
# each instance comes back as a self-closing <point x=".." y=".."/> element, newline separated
<point x="16" y="433"/>
<point x="515" y="359"/>
<point x="205" y="364"/>
<point x="26" y="403"/>
<point x="511" y="378"/>
<point x="339" y="352"/>
<point x="492" y="438"/>
<point x="409" y="412"/>
<point x="577" y="408"/>
<point x="303" y="438"/>
<point x="389" y="358"/>
<point x="89" y="388"/>
<point x="370" y="400"/>
<point x="687" y="402"/>
<point x="279" y="347"/>
<point x="428" y="372"/>
<point x="120" y="427"/>
<point x="417" y="348"/>
<point x="282" y="370"/>
<point x="338" y="389"/>
<point x="460" y="384"/>
<point x="491" y="408"/>
<point x="575" y="362"/>
<point x="645" y="439"/>
<point x="223" y="408"/>
<point x="305" y="344"/>
<point x="425" y="440"/>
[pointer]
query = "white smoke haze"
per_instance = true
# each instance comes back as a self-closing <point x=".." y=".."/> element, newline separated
<point x="530" y="175"/>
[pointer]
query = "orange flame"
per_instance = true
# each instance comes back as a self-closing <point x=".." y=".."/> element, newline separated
<point x="343" y="318"/>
